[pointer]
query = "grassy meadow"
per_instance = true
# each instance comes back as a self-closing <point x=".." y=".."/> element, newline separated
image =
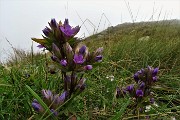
<point x="127" y="48"/>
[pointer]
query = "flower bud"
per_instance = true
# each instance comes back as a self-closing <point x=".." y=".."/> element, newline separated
<point x="63" y="62"/>
<point x="130" y="88"/>
<point x="88" y="67"/>
<point x="46" y="31"/>
<point x="53" y="23"/>
<point x="36" y="106"/>
<point x="98" y="58"/>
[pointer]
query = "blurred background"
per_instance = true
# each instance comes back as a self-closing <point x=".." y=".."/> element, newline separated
<point x="20" y="20"/>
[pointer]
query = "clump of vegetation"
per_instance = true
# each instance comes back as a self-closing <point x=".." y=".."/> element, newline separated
<point x="124" y="53"/>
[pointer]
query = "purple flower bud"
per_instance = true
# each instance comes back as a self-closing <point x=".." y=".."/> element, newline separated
<point x="47" y="94"/>
<point x="155" y="71"/>
<point x="78" y="59"/>
<point x="99" y="51"/>
<point x="62" y="97"/>
<point x="136" y="77"/>
<point x="130" y="88"/>
<point x="37" y="107"/>
<point x="63" y="62"/>
<point x="150" y="68"/>
<point x="141" y="71"/>
<point x="46" y="31"/>
<point x="142" y="85"/>
<point x="54" y="112"/>
<point x="54" y="58"/>
<point x="82" y="50"/>
<point x="40" y="46"/>
<point x="98" y="58"/>
<point x="154" y="79"/>
<point x="88" y="67"/>
<point x="53" y="23"/>
<point x="139" y="93"/>
<point x="152" y="100"/>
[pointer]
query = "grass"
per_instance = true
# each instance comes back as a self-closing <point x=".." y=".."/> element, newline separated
<point x="124" y="54"/>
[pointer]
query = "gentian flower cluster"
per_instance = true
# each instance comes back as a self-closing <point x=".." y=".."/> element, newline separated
<point x="145" y="79"/>
<point x="71" y="57"/>
<point x="53" y="101"/>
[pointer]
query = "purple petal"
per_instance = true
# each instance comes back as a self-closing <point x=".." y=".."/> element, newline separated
<point x="63" y="62"/>
<point x="78" y="59"/>
<point x="46" y="31"/>
<point x="154" y="79"/>
<point x="62" y="97"/>
<point x="98" y="58"/>
<point x="40" y="46"/>
<point x="88" y="67"/>
<point x="142" y="85"/>
<point x="82" y="50"/>
<point x="155" y="71"/>
<point x="37" y="107"/>
<point x="139" y="93"/>
<point x="53" y="23"/>
<point x="47" y="94"/>
<point x="130" y="88"/>
<point x="136" y="77"/>
<point x="68" y="30"/>
<point x="152" y="100"/>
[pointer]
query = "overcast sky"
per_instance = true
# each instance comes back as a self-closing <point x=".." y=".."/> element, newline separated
<point x="22" y="19"/>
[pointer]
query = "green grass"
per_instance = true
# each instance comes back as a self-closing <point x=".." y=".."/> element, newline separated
<point x="123" y="54"/>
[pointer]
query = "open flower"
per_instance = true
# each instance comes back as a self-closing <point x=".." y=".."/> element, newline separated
<point x="78" y="59"/>
<point x="139" y="93"/>
<point x="68" y="30"/>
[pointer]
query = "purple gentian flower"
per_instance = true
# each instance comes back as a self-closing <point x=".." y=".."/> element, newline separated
<point x="63" y="62"/>
<point x="53" y="23"/>
<point x="141" y="71"/>
<point x="142" y="85"/>
<point x="88" y="67"/>
<point x="130" y="88"/>
<point x="60" y="99"/>
<point x="46" y="31"/>
<point x="68" y="30"/>
<point x="154" y="79"/>
<point x="47" y="94"/>
<point x="139" y="93"/>
<point x="98" y="58"/>
<point x="155" y="71"/>
<point x="136" y="77"/>
<point x="82" y="50"/>
<point x="78" y="59"/>
<point x="152" y="100"/>
<point x="36" y="106"/>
